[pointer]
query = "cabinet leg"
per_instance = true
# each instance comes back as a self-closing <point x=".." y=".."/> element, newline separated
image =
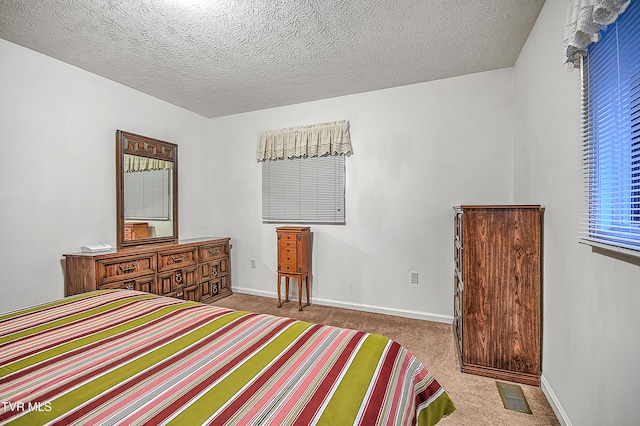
<point x="286" y="285"/>
<point x="299" y="293"/>
<point x="279" y="279"/>
<point x="307" y="282"/>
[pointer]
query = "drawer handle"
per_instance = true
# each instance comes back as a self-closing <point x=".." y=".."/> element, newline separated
<point x="127" y="269"/>
<point x="177" y="259"/>
<point x="179" y="277"/>
<point x="214" y="252"/>
<point x="214" y="271"/>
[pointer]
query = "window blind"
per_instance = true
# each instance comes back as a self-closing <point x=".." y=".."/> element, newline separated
<point x="148" y="195"/>
<point x="304" y="190"/>
<point x="611" y="136"/>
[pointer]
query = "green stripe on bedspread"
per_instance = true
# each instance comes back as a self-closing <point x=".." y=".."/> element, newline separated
<point x="351" y="392"/>
<point x="125" y="357"/>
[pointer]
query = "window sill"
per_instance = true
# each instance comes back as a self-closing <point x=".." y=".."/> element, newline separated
<point x="614" y="251"/>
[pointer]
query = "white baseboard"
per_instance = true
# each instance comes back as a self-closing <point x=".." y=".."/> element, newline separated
<point x="358" y="307"/>
<point x="554" y="402"/>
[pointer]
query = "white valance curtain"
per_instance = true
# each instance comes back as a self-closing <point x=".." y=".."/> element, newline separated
<point x="136" y="163"/>
<point x="585" y="19"/>
<point x="317" y="140"/>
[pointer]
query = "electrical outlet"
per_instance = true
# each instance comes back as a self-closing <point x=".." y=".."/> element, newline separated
<point x="414" y="277"/>
<point x="253" y="263"/>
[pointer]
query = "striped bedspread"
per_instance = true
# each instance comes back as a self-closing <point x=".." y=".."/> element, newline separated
<point x="125" y="357"/>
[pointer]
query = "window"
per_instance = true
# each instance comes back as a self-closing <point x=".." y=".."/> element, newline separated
<point x="304" y="190"/>
<point x="611" y="136"/>
<point x="303" y="173"/>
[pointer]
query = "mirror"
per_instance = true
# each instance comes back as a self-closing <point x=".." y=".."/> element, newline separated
<point x="146" y="190"/>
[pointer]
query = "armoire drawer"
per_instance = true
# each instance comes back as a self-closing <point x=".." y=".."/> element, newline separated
<point x="287" y="267"/>
<point x="287" y="258"/>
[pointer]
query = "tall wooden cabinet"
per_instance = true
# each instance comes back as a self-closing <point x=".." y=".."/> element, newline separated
<point x="294" y="259"/>
<point x="498" y="284"/>
<point x="198" y="269"/>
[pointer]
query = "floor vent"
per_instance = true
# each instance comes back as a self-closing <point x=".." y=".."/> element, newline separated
<point x="513" y="398"/>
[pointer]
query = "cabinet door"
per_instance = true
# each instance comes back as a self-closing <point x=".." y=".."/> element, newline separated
<point x="224" y="284"/>
<point x="173" y="282"/>
<point x="192" y="293"/>
<point x="209" y="270"/>
<point x="501" y="303"/>
<point x="208" y="288"/>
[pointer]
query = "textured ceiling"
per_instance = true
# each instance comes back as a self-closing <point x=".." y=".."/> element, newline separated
<point x="220" y="57"/>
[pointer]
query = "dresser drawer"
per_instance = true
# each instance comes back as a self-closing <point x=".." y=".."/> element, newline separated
<point x="173" y="259"/>
<point x="146" y="284"/>
<point x="213" y="251"/>
<point x="124" y="268"/>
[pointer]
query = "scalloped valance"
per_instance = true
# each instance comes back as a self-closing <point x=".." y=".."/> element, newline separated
<point x="137" y="163"/>
<point x="585" y="19"/>
<point x="317" y="140"/>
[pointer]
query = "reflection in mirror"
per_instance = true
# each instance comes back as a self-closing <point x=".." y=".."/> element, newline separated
<point x="147" y="190"/>
<point x="147" y="198"/>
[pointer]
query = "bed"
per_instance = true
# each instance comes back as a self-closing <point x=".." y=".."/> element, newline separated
<point x="127" y="357"/>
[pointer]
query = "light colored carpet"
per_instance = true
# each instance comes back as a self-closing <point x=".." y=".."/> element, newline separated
<point x="476" y="398"/>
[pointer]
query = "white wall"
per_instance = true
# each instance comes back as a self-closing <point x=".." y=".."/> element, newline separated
<point x="591" y="314"/>
<point x="418" y="151"/>
<point x="57" y="166"/>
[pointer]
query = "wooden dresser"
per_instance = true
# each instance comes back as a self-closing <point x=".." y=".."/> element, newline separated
<point x="197" y="269"/>
<point x="498" y="280"/>
<point x="294" y="259"/>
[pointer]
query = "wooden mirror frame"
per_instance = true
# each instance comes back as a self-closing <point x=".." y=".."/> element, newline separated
<point x="132" y="144"/>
